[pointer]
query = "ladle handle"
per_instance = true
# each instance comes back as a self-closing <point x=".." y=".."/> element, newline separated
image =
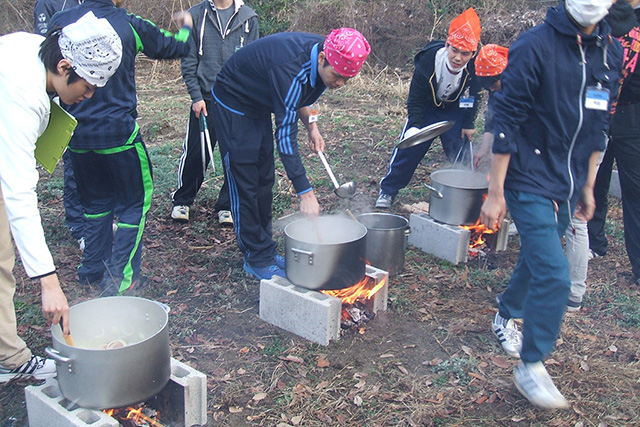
<point x="328" y="168"/>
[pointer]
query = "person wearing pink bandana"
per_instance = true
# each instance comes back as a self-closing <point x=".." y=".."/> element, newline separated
<point x="442" y="88"/>
<point x="282" y="74"/>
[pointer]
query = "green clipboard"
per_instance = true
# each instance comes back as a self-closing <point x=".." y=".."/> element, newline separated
<point x="55" y="138"/>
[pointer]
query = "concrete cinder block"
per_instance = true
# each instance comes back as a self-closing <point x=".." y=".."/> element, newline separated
<point x="379" y="300"/>
<point x="186" y="390"/>
<point x="304" y="312"/>
<point x="448" y="242"/>
<point x="46" y="407"/>
<point x="194" y="384"/>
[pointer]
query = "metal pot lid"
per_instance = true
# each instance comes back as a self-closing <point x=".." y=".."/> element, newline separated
<point x="426" y="133"/>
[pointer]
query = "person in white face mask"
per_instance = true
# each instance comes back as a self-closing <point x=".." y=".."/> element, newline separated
<point x="551" y="119"/>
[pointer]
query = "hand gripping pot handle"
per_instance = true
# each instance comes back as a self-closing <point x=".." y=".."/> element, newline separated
<point x="60" y="359"/>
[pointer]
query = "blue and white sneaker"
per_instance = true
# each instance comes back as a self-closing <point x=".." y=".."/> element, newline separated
<point x="279" y="260"/>
<point x="266" y="273"/>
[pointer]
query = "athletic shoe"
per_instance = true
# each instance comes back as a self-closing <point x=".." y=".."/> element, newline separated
<point x="508" y="334"/>
<point x="573" y="306"/>
<point x="266" y="273"/>
<point x="593" y="254"/>
<point x="279" y="260"/>
<point x="384" y="201"/>
<point x="180" y="213"/>
<point x="534" y="382"/>
<point x="225" y="218"/>
<point x="37" y="368"/>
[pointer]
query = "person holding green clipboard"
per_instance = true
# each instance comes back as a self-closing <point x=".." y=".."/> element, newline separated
<point x="71" y="63"/>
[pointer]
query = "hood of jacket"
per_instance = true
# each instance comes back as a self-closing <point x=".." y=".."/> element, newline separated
<point x="621" y="18"/>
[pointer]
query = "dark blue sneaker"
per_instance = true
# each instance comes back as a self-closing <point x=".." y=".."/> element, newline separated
<point x="279" y="260"/>
<point x="264" y="272"/>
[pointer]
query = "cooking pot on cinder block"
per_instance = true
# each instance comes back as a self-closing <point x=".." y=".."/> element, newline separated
<point x="386" y="240"/>
<point x="121" y="353"/>
<point x="456" y="196"/>
<point x="327" y="252"/>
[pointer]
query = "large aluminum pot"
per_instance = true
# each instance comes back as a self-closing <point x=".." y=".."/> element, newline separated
<point x="457" y="195"/>
<point x="326" y="252"/>
<point x="136" y="367"/>
<point x="386" y="240"/>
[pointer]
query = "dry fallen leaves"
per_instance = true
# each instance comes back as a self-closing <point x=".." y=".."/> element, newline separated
<point x="500" y="362"/>
<point x="323" y="363"/>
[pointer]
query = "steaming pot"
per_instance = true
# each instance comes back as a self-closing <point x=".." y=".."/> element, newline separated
<point x="457" y="195"/>
<point x="327" y="252"/>
<point x="94" y="377"/>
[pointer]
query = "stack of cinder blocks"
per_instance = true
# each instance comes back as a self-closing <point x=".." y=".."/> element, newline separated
<point x="46" y="406"/>
<point x="308" y="313"/>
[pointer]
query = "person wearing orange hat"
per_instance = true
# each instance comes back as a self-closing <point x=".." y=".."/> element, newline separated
<point x="281" y="74"/>
<point x="441" y="89"/>
<point x="490" y="63"/>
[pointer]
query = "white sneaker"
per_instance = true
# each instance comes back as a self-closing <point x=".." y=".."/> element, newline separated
<point x="534" y="382"/>
<point x="224" y="217"/>
<point x="37" y="367"/>
<point x="180" y="213"/>
<point x="508" y="334"/>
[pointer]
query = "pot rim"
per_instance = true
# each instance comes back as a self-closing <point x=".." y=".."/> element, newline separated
<point x="480" y="185"/>
<point x="386" y="215"/>
<point x="63" y="344"/>
<point x="351" y="222"/>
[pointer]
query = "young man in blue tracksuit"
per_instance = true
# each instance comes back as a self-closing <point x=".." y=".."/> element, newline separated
<point x="441" y="90"/>
<point x="281" y="74"/>
<point x="110" y="160"/>
<point x="220" y="28"/>
<point x="43" y="11"/>
<point x="551" y="120"/>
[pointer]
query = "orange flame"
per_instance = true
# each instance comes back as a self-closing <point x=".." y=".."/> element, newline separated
<point x="478" y="231"/>
<point x="134" y="414"/>
<point x="363" y="290"/>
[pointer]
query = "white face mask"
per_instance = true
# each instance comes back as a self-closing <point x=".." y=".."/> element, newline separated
<point x="588" y="12"/>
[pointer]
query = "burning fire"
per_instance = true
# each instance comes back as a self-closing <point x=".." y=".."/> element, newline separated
<point x="363" y="290"/>
<point x="134" y="414"/>
<point x="478" y="231"/>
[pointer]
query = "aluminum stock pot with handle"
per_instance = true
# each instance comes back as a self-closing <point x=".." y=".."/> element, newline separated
<point x="327" y="252"/>
<point x="121" y="354"/>
<point x="457" y="195"/>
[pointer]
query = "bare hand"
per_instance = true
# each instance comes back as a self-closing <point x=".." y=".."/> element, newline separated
<point x="183" y="18"/>
<point x="54" y="303"/>
<point x="586" y="205"/>
<point x="493" y="211"/>
<point x="199" y="107"/>
<point x="309" y="204"/>
<point x="316" y="142"/>
<point x="467" y="134"/>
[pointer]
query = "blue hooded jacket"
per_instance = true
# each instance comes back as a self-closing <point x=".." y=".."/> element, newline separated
<point x="540" y="114"/>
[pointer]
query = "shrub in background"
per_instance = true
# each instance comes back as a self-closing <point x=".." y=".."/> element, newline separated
<point x="395" y="29"/>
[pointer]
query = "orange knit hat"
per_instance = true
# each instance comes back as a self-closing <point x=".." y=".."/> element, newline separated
<point x="464" y="31"/>
<point x="491" y="61"/>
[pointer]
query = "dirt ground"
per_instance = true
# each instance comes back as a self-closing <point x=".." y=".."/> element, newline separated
<point x="430" y="360"/>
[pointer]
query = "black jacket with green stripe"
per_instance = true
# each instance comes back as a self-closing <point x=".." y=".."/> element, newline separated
<point x="108" y="119"/>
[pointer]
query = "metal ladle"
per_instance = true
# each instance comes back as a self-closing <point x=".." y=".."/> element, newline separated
<point x="346" y="190"/>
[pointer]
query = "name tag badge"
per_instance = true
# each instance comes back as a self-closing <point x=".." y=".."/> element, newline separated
<point x="466" y="102"/>
<point x="597" y="99"/>
<point x="313" y="115"/>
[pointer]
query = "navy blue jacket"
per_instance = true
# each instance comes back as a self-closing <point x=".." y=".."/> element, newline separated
<point x="424" y="88"/>
<point x="276" y="74"/>
<point x="108" y="119"/>
<point x="540" y="115"/>
<point x="44" y="10"/>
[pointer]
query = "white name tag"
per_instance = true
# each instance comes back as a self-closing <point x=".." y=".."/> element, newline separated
<point x="466" y="102"/>
<point x="597" y="99"/>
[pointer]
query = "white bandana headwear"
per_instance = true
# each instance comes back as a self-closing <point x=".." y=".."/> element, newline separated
<point x="93" y="47"/>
